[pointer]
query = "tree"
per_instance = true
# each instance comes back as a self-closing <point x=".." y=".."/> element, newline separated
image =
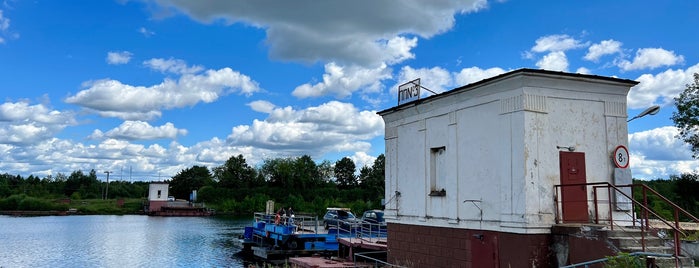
<point x="686" y="117"/>
<point x="236" y="173"/>
<point x="344" y="173"/>
<point x="189" y="179"/>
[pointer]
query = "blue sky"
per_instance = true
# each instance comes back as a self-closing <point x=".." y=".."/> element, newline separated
<point x="147" y="88"/>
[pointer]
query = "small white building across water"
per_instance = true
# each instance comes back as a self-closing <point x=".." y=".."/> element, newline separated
<point x="470" y="172"/>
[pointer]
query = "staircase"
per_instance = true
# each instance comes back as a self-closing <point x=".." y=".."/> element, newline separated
<point x="629" y="239"/>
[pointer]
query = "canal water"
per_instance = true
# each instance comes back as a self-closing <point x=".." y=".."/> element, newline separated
<point x="120" y="241"/>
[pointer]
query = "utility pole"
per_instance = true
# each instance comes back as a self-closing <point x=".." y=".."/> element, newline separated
<point x="106" y="195"/>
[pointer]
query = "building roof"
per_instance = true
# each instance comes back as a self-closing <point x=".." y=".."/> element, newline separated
<point x="518" y="72"/>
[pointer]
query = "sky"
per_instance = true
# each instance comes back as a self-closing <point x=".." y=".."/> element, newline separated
<point x="145" y="89"/>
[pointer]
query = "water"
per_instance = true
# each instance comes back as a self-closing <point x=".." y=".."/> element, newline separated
<point x="119" y="241"/>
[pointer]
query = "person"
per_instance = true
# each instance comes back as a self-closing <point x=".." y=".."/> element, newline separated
<point x="290" y="214"/>
<point x="278" y="216"/>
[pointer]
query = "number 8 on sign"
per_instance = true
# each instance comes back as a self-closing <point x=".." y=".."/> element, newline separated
<point x="621" y="156"/>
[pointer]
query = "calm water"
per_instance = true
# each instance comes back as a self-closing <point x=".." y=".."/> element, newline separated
<point x="119" y="241"/>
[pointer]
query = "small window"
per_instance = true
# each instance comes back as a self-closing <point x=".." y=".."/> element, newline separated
<point x="438" y="170"/>
<point x="158" y="193"/>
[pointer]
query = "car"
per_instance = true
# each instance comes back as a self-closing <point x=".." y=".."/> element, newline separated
<point x="373" y="220"/>
<point x="340" y="217"/>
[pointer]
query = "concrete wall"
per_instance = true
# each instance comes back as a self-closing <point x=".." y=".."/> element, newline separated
<point x="499" y="139"/>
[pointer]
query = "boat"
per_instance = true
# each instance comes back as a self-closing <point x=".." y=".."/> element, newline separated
<point x="275" y="238"/>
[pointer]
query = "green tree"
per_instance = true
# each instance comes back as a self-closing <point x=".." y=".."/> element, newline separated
<point x="686" y="117"/>
<point x="344" y="173"/>
<point x="189" y="179"/>
<point x="236" y="173"/>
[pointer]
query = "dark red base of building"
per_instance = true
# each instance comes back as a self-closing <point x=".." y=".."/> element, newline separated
<point x="423" y="246"/>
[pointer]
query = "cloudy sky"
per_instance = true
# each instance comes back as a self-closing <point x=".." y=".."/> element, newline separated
<point x="147" y="88"/>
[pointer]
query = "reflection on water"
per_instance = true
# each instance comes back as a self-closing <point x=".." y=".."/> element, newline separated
<point x="119" y="241"/>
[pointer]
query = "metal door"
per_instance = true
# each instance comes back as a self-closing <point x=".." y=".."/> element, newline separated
<point x="574" y="197"/>
<point x="484" y="250"/>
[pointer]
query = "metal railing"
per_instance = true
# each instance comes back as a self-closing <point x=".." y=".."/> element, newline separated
<point x="604" y="260"/>
<point x="363" y="258"/>
<point x="642" y="208"/>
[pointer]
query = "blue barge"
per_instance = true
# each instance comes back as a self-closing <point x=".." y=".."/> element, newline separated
<point x="277" y="238"/>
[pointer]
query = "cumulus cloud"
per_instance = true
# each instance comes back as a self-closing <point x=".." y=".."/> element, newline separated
<point x="474" y="74"/>
<point x="22" y="123"/>
<point x="583" y="70"/>
<point x="139" y="130"/>
<point x="439" y="79"/>
<point x="111" y="98"/>
<point x="262" y="106"/>
<point x="358" y="32"/>
<point x="175" y="66"/>
<point x="436" y="79"/>
<point x="118" y="57"/>
<point x="651" y="58"/>
<point x="657" y="153"/>
<point x="554" y="61"/>
<point x="362" y="159"/>
<point x="556" y="43"/>
<point x="330" y="127"/>
<point x="342" y="81"/>
<point x="660" y="88"/>
<point x="606" y="47"/>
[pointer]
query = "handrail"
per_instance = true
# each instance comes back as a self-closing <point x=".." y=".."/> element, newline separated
<point x="675" y="206"/>
<point x="644" y="209"/>
<point x="587" y="263"/>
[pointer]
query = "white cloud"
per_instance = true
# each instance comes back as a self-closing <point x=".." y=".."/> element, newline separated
<point x="474" y="74"/>
<point x="119" y="57"/>
<point x="583" y="70"/>
<point x="330" y="127"/>
<point x="556" y="43"/>
<point x="262" y="106"/>
<point x="111" y="98"/>
<point x="651" y="58"/>
<point x="660" y="88"/>
<point x="361" y="32"/>
<point x="342" y="81"/>
<point x="175" y="66"/>
<point x="362" y="159"/>
<point x="606" y="47"/>
<point x="5" y="29"/>
<point x="139" y="130"/>
<point x="22" y="123"/>
<point x="436" y="79"/>
<point x="145" y="32"/>
<point x="554" y="61"/>
<point x="656" y="153"/>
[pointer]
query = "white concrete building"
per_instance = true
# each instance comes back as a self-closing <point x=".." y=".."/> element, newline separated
<point x="479" y="163"/>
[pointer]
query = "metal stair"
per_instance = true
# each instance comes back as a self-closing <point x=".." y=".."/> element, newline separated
<point x="628" y="239"/>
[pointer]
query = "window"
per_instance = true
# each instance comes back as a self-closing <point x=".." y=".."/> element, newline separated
<point x="158" y="193"/>
<point x="438" y="171"/>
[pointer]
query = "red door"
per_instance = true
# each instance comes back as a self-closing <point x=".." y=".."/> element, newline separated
<point x="573" y="198"/>
<point x="484" y="251"/>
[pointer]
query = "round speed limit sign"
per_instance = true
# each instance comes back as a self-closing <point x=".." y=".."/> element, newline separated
<point x="621" y="156"/>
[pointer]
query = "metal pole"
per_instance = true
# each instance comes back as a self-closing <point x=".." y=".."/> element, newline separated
<point x="106" y="195"/>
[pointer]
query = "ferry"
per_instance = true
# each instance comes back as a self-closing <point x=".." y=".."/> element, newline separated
<point x="277" y="238"/>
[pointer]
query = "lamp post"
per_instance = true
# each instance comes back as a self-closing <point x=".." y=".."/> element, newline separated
<point x="106" y="195"/>
<point x="650" y="111"/>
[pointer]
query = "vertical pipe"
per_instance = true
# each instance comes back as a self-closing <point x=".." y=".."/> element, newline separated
<point x="645" y="204"/>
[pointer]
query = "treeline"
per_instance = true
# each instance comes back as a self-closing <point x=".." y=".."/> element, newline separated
<point x="234" y="187"/>
<point x="682" y="190"/>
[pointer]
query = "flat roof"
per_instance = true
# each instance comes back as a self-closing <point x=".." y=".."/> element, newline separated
<point x="523" y="71"/>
